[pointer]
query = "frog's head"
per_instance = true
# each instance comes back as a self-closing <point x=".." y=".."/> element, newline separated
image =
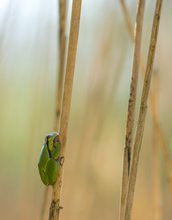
<point x="50" y="139"/>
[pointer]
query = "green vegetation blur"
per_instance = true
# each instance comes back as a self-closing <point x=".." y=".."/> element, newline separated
<point x="28" y="76"/>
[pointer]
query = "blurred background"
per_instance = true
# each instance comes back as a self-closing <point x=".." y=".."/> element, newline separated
<point x="28" y="75"/>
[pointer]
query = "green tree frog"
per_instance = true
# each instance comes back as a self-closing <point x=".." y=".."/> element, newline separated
<point x="49" y="160"/>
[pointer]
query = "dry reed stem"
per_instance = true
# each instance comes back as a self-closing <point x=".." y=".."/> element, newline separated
<point x="60" y="75"/>
<point x="62" y="50"/>
<point x="132" y="105"/>
<point x="156" y="154"/>
<point x="142" y="112"/>
<point x="161" y="136"/>
<point x="67" y="95"/>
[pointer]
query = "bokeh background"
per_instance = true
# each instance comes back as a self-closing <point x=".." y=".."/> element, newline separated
<point x="28" y="75"/>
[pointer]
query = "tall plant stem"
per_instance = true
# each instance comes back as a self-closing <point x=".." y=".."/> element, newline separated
<point x="60" y="76"/>
<point x="62" y="50"/>
<point x="132" y="105"/>
<point x="142" y="112"/>
<point x="66" y="103"/>
<point x="159" y="130"/>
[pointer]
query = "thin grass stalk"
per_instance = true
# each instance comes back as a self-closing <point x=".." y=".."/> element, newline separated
<point x="132" y="105"/>
<point x="142" y="112"/>
<point x="60" y="75"/>
<point x="161" y="136"/>
<point x="62" y="50"/>
<point x="66" y="103"/>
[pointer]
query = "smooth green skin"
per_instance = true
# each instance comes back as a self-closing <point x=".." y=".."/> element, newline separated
<point x="49" y="164"/>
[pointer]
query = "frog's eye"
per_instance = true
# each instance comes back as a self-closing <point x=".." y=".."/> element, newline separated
<point x="56" y="139"/>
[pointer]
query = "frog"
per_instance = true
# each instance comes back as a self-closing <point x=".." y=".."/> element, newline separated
<point x="49" y="159"/>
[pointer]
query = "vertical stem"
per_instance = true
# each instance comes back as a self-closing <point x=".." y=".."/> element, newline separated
<point x="66" y="103"/>
<point x="132" y="105"/>
<point x="59" y="88"/>
<point x="142" y="112"/>
<point x="161" y="136"/>
<point x="71" y="58"/>
<point x="62" y="49"/>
